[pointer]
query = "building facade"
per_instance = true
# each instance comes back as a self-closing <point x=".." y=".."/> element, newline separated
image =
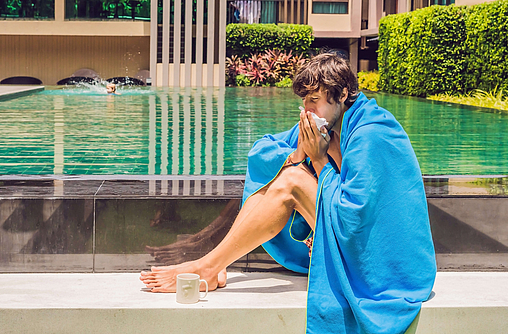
<point x="52" y="39"/>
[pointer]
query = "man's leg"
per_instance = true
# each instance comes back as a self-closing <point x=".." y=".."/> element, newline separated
<point x="262" y="217"/>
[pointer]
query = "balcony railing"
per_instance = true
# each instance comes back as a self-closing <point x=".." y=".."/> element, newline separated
<point x="267" y="11"/>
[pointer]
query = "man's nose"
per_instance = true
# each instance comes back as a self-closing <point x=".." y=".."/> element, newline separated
<point x="305" y="108"/>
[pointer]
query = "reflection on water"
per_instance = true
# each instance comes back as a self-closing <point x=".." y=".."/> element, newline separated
<point x="82" y="130"/>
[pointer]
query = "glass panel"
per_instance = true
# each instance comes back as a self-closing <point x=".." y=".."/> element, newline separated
<point x="35" y="9"/>
<point x="442" y="2"/>
<point x="329" y="8"/>
<point x="268" y="12"/>
<point x="107" y="9"/>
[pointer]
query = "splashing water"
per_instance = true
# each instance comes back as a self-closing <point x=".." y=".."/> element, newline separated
<point x="98" y="88"/>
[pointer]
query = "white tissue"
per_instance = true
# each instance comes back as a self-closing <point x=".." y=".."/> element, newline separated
<point x="320" y="122"/>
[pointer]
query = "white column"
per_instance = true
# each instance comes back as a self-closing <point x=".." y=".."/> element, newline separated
<point x="59" y="10"/>
<point x="373" y="9"/>
<point x="177" y="39"/>
<point x="188" y="41"/>
<point x="165" y="42"/>
<point x="153" y="41"/>
<point x="199" y="42"/>
<point x="402" y="6"/>
<point x="210" y="42"/>
<point x="222" y="43"/>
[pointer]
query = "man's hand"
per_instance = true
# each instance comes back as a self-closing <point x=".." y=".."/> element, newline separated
<point x="298" y="155"/>
<point x="312" y="142"/>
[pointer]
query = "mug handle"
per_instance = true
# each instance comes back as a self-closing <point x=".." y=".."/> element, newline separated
<point x="206" y="292"/>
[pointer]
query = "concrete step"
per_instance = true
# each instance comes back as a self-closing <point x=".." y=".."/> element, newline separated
<point x="466" y="302"/>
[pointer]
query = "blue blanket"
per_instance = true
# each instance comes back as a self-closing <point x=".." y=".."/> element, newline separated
<point x="373" y="260"/>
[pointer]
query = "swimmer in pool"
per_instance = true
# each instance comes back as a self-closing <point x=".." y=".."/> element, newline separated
<point x="111" y="89"/>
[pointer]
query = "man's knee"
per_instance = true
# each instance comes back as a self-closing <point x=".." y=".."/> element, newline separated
<point x="290" y="180"/>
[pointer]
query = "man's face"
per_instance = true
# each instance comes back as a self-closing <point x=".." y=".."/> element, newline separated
<point x="317" y="103"/>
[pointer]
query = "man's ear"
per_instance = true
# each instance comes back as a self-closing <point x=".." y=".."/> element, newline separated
<point x="344" y="95"/>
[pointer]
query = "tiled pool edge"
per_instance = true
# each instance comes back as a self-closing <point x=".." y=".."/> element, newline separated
<point x="471" y="246"/>
<point x="222" y="185"/>
<point x="8" y="92"/>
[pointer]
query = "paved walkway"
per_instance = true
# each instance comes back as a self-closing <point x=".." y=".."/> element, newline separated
<point x="251" y="303"/>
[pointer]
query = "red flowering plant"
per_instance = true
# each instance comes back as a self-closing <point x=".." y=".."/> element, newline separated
<point x="255" y="69"/>
<point x="265" y="69"/>
<point x="234" y="66"/>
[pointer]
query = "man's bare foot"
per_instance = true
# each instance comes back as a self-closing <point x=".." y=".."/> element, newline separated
<point x="222" y="278"/>
<point x="163" y="279"/>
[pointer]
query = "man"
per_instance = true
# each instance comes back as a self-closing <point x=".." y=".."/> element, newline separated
<point x="358" y="190"/>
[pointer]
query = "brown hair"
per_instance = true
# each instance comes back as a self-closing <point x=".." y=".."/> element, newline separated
<point x="330" y="73"/>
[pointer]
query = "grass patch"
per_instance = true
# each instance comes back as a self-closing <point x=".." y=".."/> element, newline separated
<point x="494" y="99"/>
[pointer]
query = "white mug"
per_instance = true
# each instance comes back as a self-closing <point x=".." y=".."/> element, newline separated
<point x="187" y="288"/>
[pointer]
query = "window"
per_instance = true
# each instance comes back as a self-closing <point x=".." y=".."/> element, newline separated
<point x="108" y="9"/>
<point x="30" y="9"/>
<point x="442" y="2"/>
<point x="321" y="7"/>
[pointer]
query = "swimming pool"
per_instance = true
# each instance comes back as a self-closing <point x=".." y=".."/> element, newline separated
<point x="147" y="130"/>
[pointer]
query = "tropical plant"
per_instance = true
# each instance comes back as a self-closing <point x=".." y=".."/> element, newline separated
<point x="234" y="67"/>
<point x="368" y="80"/>
<point x="242" y="80"/>
<point x="264" y="69"/>
<point x="255" y="70"/>
<point x="285" y="83"/>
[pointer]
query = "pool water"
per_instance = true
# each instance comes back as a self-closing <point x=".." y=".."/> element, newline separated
<point x="82" y="130"/>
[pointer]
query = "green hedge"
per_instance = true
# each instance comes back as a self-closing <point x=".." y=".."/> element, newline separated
<point x="487" y="46"/>
<point x="245" y="39"/>
<point x="444" y="49"/>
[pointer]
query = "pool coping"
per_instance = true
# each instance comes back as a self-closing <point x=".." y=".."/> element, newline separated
<point x="8" y="92"/>
<point x="207" y="186"/>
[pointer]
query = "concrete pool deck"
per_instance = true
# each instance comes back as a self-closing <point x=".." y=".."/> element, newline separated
<point x="467" y="302"/>
<point x="13" y="91"/>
